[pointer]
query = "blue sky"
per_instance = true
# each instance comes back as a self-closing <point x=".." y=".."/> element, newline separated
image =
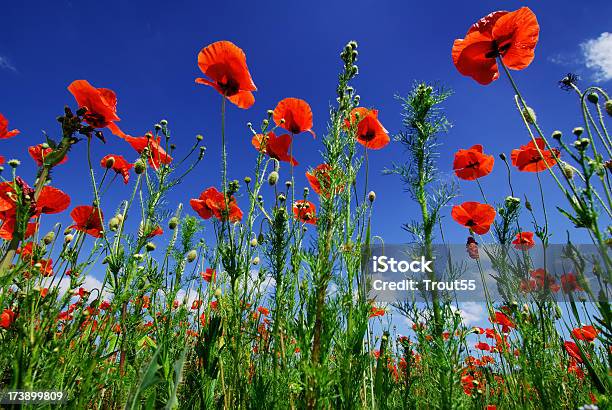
<point x="147" y="51"/>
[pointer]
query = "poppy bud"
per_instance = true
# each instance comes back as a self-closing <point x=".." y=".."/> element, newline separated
<point x="173" y="222"/>
<point x="199" y="137"/>
<point x="254" y="242"/>
<point x="1" y="168"/>
<point x="609" y="107"/>
<point x="352" y="44"/>
<point x="110" y="162"/>
<point x="68" y="238"/>
<point x="218" y="293"/>
<point x="247" y="180"/>
<point x="157" y="127"/>
<point x="113" y="224"/>
<point x="528" y="206"/>
<point x="259" y="198"/>
<point x="593" y="98"/>
<point x="557" y="135"/>
<point x="260" y="238"/>
<point x="282" y="197"/>
<point x="502" y="156"/>
<point x="14" y="163"/>
<point x="138" y="257"/>
<point x="273" y="178"/>
<point x="567" y="170"/>
<point x="191" y="255"/>
<point x="578" y="131"/>
<point x="288" y="184"/>
<point x="139" y="167"/>
<point x="150" y="246"/>
<point x="255" y="260"/>
<point x="202" y="151"/>
<point x="306" y="191"/>
<point x="372" y="196"/>
<point x="163" y="123"/>
<point x="49" y="237"/>
<point x="529" y="115"/>
<point x="265" y="123"/>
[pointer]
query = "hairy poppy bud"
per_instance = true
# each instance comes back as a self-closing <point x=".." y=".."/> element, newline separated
<point x="113" y="224"/>
<point x="234" y="186"/>
<point x="173" y="223"/>
<point x="247" y="180"/>
<point x="372" y="196"/>
<point x="273" y="178"/>
<point x="68" y="238"/>
<point x="139" y="167"/>
<point x="110" y="162"/>
<point x="568" y="170"/>
<point x="593" y="98"/>
<point x="163" y="122"/>
<point x="255" y="260"/>
<point x="192" y="255"/>
<point x="557" y="135"/>
<point x="49" y="237"/>
<point x="609" y="107"/>
<point x="529" y="115"/>
<point x="288" y="184"/>
<point x="254" y="242"/>
<point x="14" y="163"/>
<point x="265" y="123"/>
<point x="150" y="246"/>
<point x="199" y="137"/>
<point x="578" y="131"/>
<point x="157" y="127"/>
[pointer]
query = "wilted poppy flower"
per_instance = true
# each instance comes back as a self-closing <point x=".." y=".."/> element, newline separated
<point x="208" y="275"/>
<point x="4" y="131"/>
<point x="528" y="159"/>
<point x="225" y="64"/>
<point x="587" y="333"/>
<point x="524" y="241"/>
<point x="276" y="147"/>
<point x="7" y="318"/>
<point x="320" y="179"/>
<point x="88" y="219"/>
<point x="39" y="154"/>
<point x="212" y="203"/>
<point x="470" y="164"/>
<point x="296" y="114"/>
<point x="370" y="132"/>
<point x="512" y="36"/>
<point x="569" y="283"/>
<point x="305" y="211"/>
<point x="119" y="165"/>
<point x="572" y="349"/>
<point x="101" y="104"/>
<point x="474" y="215"/>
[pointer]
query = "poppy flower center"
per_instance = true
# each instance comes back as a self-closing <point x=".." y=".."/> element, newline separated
<point x="95" y="120"/>
<point x="498" y="49"/>
<point x="368" y="135"/>
<point x="229" y="86"/>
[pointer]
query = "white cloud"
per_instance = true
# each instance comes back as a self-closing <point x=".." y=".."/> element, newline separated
<point x="598" y="56"/>
<point x="471" y="313"/>
<point x="6" y="64"/>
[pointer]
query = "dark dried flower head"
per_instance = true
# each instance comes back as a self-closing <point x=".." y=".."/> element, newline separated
<point x="568" y="82"/>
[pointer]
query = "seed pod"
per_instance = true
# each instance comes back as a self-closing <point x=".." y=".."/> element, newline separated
<point x="593" y="98"/>
<point x="192" y="255"/>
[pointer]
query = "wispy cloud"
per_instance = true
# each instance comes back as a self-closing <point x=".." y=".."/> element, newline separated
<point x="598" y="56"/>
<point x="5" y="64"/>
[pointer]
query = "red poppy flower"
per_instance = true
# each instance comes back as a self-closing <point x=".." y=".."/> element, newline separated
<point x="2" y="160"/>
<point x="512" y="36"/>
<point x="7" y="228"/>
<point x="88" y="219"/>
<point x="264" y="311"/>
<point x="296" y="114"/>
<point x="157" y="155"/>
<point x="482" y="346"/>
<point x="569" y="283"/>
<point x="474" y="215"/>
<point x="52" y="201"/>
<point x="101" y="104"/>
<point x="370" y="132"/>
<point x="120" y="166"/>
<point x="225" y="64"/>
<point x="208" y="275"/>
<point x="276" y="147"/>
<point x="541" y="281"/>
<point x="528" y="159"/>
<point x="320" y="179"/>
<point x="4" y="132"/>
<point x="39" y="154"/>
<point x="305" y="211"/>
<point x="504" y="321"/>
<point x="587" y="333"/>
<point x="572" y="349"/>
<point x="376" y="312"/>
<point x="155" y="232"/>
<point x="524" y="241"/>
<point x="470" y="164"/>
<point x="212" y="203"/>
<point x="7" y="318"/>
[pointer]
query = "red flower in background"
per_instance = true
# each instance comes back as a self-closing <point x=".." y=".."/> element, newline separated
<point x="370" y="132"/>
<point x="208" y="275"/>
<point x="4" y="131"/>
<point x="538" y="281"/>
<point x="52" y="201"/>
<point x="157" y="155"/>
<point x="470" y="164"/>
<point x="482" y="346"/>
<point x="305" y="211"/>
<point x="569" y="283"/>
<point x="512" y="36"/>
<point x="212" y="203"/>
<point x="474" y="215"/>
<point x="297" y="116"/>
<point x="120" y="166"/>
<point x="528" y="159"/>
<point x="524" y="241"/>
<point x="225" y="64"/>
<point x="7" y="318"/>
<point x="504" y="321"/>
<point x="572" y="349"/>
<point x="275" y="147"/>
<point x="2" y="160"/>
<point x="320" y="179"/>
<point x="88" y="219"/>
<point x="101" y="105"/>
<point x="587" y="333"/>
<point x="155" y="232"/>
<point x="377" y="312"/>
<point x="38" y="154"/>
